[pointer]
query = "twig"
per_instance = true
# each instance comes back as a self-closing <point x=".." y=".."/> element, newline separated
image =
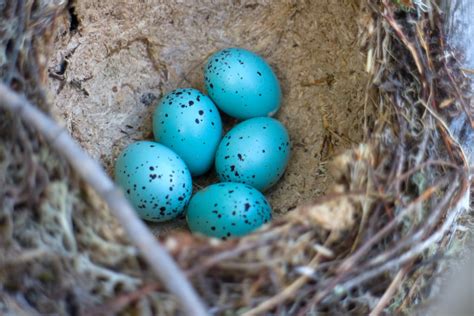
<point x="352" y="260"/>
<point x="344" y="269"/>
<point x="396" y="27"/>
<point x="282" y="296"/>
<point x="158" y="258"/>
<point x="378" y="309"/>
<point x="289" y="290"/>
<point x="429" y="223"/>
<point x="117" y="304"/>
<point x="404" y="258"/>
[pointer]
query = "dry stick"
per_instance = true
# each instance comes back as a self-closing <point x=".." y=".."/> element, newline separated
<point x="348" y="264"/>
<point x="352" y="260"/>
<point x="160" y="261"/>
<point x="391" y="20"/>
<point x="390" y="291"/>
<point x="406" y="257"/>
<point x="289" y="290"/>
<point x="117" y="304"/>
<point x="421" y="233"/>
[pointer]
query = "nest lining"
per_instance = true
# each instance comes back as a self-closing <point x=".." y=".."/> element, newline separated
<point x="397" y="198"/>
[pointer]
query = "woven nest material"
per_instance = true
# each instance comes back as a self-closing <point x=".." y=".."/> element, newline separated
<point x="373" y="242"/>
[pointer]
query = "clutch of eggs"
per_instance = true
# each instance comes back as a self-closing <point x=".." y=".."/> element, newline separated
<point x="187" y="128"/>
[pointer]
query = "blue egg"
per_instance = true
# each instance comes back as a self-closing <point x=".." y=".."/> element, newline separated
<point x="242" y="84"/>
<point x="155" y="180"/>
<point x="189" y="123"/>
<point x="226" y="210"/>
<point x="255" y="152"/>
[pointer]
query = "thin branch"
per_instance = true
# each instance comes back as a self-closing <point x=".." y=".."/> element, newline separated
<point x="404" y="258"/>
<point x="91" y="172"/>
<point x="391" y="290"/>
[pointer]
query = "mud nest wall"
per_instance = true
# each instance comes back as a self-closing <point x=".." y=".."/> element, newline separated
<point x="372" y="242"/>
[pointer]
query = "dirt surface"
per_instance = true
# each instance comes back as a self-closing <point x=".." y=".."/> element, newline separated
<point x="114" y="59"/>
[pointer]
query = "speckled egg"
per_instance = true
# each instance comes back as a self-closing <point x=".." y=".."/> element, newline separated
<point x="189" y="123"/>
<point x="255" y="152"/>
<point x="155" y="180"/>
<point x="226" y="210"/>
<point x="242" y="84"/>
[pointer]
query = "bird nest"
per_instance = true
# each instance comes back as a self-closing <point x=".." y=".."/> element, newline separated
<point x="375" y="241"/>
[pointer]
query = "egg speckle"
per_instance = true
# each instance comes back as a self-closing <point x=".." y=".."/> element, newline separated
<point x="155" y="180"/>
<point x="226" y="210"/>
<point x="242" y="84"/>
<point x="255" y="152"/>
<point x="189" y="123"/>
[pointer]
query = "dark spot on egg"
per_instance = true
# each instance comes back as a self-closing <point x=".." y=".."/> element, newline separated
<point x="197" y="121"/>
<point x="191" y="103"/>
<point x="213" y="228"/>
<point x="259" y="73"/>
<point x="201" y="112"/>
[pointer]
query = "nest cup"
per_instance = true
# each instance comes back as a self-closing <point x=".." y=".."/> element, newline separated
<point x="377" y="186"/>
